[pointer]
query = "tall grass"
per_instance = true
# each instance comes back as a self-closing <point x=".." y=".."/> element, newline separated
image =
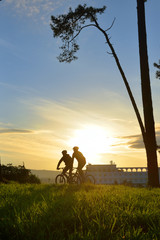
<point x="78" y="212"/>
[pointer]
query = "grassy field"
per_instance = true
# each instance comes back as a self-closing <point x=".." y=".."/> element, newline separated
<point x="78" y="212"/>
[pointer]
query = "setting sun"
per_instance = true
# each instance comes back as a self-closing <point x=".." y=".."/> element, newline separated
<point x="92" y="141"/>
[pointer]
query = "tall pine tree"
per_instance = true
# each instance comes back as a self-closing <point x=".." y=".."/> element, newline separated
<point x="69" y="26"/>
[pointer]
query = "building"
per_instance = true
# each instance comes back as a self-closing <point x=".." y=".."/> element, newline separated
<point x="110" y="174"/>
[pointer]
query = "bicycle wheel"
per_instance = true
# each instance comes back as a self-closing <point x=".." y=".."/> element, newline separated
<point x="90" y="179"/>
<point x="60" y="179"/>
<point x="76" y="179"/>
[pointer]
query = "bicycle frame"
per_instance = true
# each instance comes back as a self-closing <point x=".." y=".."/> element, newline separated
<point x="76" y="178"/>
<point x="67" y="176"/>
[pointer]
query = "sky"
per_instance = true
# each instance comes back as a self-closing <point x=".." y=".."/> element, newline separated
<point x="47" y="106"/>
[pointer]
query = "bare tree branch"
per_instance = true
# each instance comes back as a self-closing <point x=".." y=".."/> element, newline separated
<point x="110" y="53"/>
<point x="89" y="25"/>
<point x="111" y="25"/>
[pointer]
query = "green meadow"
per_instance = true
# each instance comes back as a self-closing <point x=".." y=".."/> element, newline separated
<point x="78" y="212"/>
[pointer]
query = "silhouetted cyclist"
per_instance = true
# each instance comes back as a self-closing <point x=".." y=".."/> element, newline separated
<point x="80" y="158"/>
<point x="68" y="163"/>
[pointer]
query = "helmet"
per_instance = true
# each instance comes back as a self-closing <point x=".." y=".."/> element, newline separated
<point x="64" y="151"/>
<point x="76" y="148"/>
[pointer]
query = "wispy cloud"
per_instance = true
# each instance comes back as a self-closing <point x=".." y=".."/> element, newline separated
<point x="21" y="89"/>
<point x="74" y="111"/>
<point x="5" y="125"/>
<point x="9" y="130"/>
<point x="66" y="116"/>
<point x="37" y="148"/>
<point x="53" y="125"/>
<point x="136" y="141"/>
<point x="33" y="8"/>
<point x="6" y="44"/>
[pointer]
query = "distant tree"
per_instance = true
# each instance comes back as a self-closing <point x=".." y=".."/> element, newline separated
<point x="158" y="71"/>
<point x="18" y="173"/>
<point x="69" y="26"/>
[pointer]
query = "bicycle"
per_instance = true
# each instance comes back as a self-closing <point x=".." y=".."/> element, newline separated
<point x="75" y="178"/>
<point x="66" y="178"/>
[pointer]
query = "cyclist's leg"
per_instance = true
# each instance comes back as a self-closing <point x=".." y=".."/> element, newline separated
<point x="80" y="166"/>
<point x="67" y="167"/>
<point x="70" y="168"/>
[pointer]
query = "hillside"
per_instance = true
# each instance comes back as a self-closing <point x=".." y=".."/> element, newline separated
<point x="46" y="176"/>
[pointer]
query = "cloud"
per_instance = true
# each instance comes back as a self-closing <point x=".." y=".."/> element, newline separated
<point x="6" y="44"/>
<point x="136" y="141"/>
<point x="24" y="90"/>
<point x="64" y="117"/>
<point x="62" y="114"/>
<point x="33" y="8"/>
<point x="37" y="148"/>
<point x="53" y="124"/>
<point x="4" y="125"/>
<point x="77" y="111"/>
<point x="9" y="130"/>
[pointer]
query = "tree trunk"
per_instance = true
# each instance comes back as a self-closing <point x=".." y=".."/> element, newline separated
<point x="124" y="78"/>
<point x="150" y="138"/>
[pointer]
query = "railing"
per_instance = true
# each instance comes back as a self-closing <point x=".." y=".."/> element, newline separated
<point x="133" y="169"/>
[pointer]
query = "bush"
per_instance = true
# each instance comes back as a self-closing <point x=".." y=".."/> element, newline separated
<point x="18" y="173"/>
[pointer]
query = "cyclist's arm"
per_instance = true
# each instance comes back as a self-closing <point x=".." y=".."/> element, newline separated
<point x="59" y="163"/>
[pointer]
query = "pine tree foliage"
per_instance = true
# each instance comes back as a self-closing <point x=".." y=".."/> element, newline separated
<point x="68" y="26"/>
<point x="158" y="71"/>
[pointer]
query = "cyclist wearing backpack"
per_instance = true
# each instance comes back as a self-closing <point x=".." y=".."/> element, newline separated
<point x="68" y="163"/>
<point x="80" y="158"/>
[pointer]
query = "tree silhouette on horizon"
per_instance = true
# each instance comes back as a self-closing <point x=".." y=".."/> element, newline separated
<point x="69" y="26"/>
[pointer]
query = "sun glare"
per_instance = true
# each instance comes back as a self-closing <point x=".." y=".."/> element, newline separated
<point x="92" y="142"/>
